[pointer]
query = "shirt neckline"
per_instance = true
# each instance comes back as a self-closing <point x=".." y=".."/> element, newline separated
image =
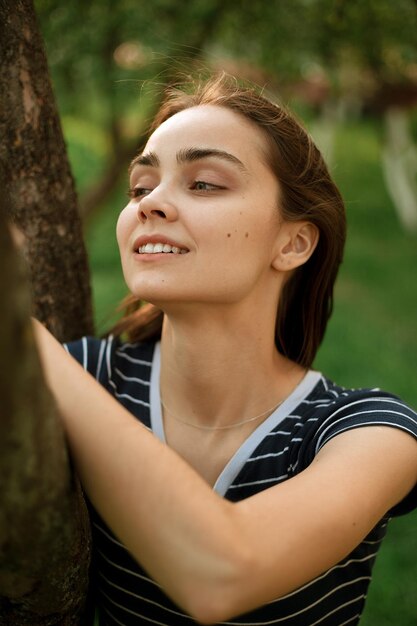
<point x="238" y="460"/>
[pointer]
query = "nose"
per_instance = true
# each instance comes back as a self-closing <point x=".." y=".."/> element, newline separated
<point x="155" y="206"/>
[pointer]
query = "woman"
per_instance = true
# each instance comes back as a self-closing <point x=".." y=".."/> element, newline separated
<point x="267" y="489"/>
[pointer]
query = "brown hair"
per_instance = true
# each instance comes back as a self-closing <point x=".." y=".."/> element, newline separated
<point x="307" y="193"/>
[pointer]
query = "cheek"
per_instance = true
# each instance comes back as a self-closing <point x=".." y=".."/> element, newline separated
<point x="123" y="227"/>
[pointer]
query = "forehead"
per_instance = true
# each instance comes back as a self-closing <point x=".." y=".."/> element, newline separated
<point x="211" y="126"/>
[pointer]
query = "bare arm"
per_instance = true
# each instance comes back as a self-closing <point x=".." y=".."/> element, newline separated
<point x="199" y="546"/>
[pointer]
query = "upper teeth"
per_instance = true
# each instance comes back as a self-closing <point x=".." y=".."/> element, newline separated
<point x="153" y="248"/>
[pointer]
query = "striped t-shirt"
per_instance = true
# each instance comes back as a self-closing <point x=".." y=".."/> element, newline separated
<point x="281" y="447"/>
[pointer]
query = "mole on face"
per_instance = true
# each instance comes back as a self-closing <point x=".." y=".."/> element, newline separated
<point x="246" y="234"/>
<point x="229" y="234"/>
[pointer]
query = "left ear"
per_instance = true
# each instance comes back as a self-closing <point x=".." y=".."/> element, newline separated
<point x="296" y="243"/>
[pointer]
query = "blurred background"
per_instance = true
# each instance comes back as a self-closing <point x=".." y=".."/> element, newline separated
<point x="348" y="68"/>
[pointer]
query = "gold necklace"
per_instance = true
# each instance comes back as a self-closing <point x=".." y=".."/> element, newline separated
<point x="227" y="427"/>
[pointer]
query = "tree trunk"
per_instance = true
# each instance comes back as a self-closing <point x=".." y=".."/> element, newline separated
<point x="399" y="160"/>
<point x="38" y="176"/>
<point x="44" y="529"/>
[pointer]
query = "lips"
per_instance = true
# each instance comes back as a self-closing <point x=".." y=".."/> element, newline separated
<point x="158" y="244"/>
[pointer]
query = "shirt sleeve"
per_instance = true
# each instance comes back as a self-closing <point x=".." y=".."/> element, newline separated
<point x="370" y="408"/>
<point x="95" y="355"/>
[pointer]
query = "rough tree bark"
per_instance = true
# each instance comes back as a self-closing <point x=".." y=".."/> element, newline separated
<point x="33" y="157"/>
<point x="44" y="528"/>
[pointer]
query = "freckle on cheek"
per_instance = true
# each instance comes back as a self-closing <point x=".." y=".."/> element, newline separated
<point x="229" y="234"/>
<point x="246" y="234"/>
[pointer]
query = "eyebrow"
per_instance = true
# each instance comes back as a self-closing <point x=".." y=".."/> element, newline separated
<point x="188" y="155"/>
<point x="150" y="159"/>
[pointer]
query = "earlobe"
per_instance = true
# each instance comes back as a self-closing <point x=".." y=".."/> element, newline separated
<point x="296" y="244"/>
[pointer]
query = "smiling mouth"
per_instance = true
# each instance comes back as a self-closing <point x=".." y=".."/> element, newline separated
<point x="157" y="248"/>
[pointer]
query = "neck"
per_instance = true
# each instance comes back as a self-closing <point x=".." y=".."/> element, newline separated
<point x="219" y="370"/>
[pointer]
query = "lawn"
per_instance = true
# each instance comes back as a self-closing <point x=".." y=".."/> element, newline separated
<point x="371" y="339"/>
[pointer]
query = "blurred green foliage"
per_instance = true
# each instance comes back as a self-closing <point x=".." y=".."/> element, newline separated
<point x="286" y="38"/>
<point x="109" y="60"/>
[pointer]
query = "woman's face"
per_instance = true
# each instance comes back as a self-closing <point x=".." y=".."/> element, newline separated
<point x="203" y="217"/>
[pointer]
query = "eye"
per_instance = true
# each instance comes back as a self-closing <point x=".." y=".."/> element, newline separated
<point x="137" y="193"/>
<point x="201" y="185"/>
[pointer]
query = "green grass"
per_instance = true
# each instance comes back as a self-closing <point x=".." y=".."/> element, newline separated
<point x="392" y="594"/>
<point x="372" y="339"/>
<point x="372" y="336"/>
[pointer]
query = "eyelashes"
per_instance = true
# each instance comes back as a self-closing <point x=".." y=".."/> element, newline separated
<point x="201" y="185"/>
<point x="137" y="193"/>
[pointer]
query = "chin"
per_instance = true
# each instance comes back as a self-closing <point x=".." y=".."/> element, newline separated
<point x="157" y="294"/>
<point x="165" y="293"/>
